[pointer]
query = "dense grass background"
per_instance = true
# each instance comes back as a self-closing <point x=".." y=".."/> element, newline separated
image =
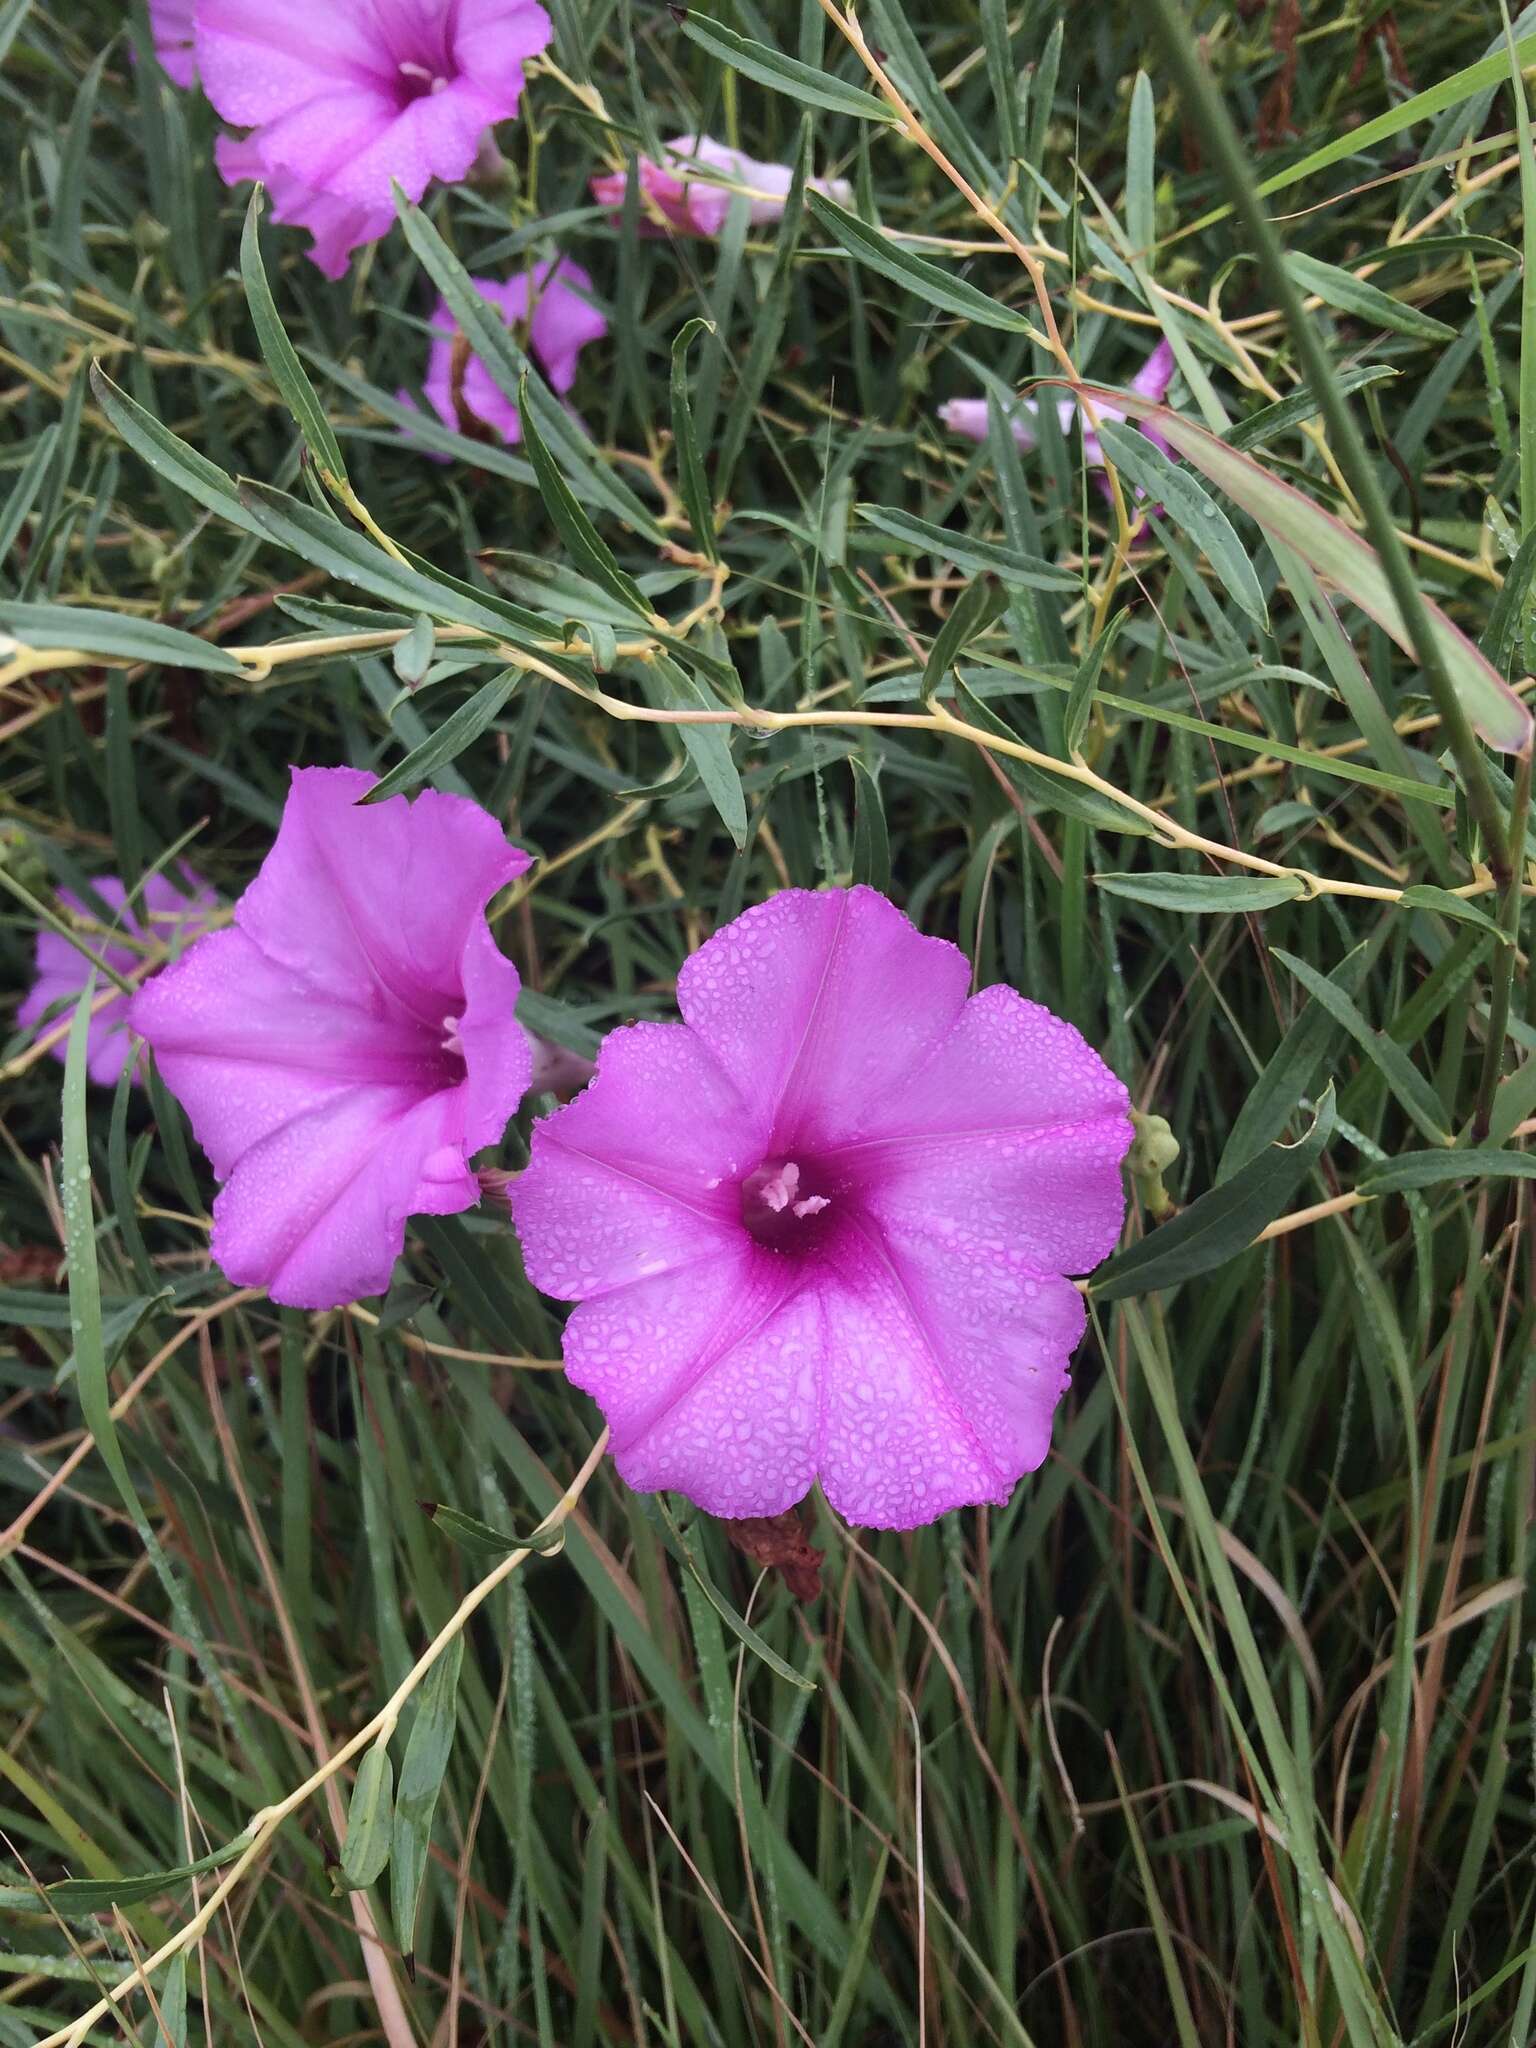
<point x="1222" y="1730"/>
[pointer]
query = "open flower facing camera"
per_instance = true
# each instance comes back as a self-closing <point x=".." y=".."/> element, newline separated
<point x="819" y="1228"/>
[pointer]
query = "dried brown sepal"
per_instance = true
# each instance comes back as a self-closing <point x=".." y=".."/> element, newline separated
<point x="780" y="1543"/>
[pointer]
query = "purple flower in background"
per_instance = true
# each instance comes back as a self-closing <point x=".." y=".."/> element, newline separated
<point x="675" y="199"/>
<point x="561" y="322"/>
<point x="968" y="416"/>
<point x="170" y="23"/>
<point x="346" y="1045"/>
<point x="342" y="97"/>
<point x="171" y="911"/>
<point x="819" y="1228"/>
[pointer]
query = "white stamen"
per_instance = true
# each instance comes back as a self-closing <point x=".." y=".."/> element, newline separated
<point x="429" y="79"/>
<point x="812" y="1205"/>
<point x="451" y="1040"/>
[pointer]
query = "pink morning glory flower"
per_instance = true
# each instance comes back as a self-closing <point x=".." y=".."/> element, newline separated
<point x="345" y="97"/>
<point x="676" y="198"/>
<point x="346" y="1045"/>
<point x="968" y="416"/>
<point x="170" y="23"/>
<point x="561" y="323"/>
<point x="819" y="1228"/>
<point x="168" y="910"/>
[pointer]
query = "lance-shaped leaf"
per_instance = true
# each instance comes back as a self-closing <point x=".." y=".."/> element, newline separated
<point x="1224" y="1222"/>
<point x="1338" y="553"/>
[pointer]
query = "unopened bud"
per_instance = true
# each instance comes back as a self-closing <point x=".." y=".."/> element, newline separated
<point x="1154" y="1149"/>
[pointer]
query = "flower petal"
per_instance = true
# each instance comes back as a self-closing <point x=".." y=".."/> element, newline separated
<point x="260" y="59"/>
<point x="381" y="896"/>
<point x="818" y="1005"/>
<point x="494" y="39"/>
<point x="316" y="1212"/>
<point x="564" y="319"/>
<point x="1014" y="1129"/>
<point x="1001" y="1333"/>
<point x="898" y="1447"/>
<point x="616" y="1192"/>
<point x="709" y="1379"/>
<point x="246" y="1045"/>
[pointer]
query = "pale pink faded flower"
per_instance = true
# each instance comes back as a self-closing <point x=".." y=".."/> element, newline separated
<point x="170" y="23"/>
<point x="172" y="910"/>
<point x="562" y="321"/>
<point x="690" y="191"/>
<point x="819" y="1228"/>
<point x="968" y="416"/>
<point x="347" y="97"/>
<point x="349" y="1042"/>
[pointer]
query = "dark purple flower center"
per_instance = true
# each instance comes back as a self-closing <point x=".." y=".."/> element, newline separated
<point x="423" y="54"/>
<point x="788" y="1205"/>
<point x="449" y="1056"/>
<point x="419" y="81"/>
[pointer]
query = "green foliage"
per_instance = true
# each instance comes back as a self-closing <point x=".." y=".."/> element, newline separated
<point x="1221" y="1729"/>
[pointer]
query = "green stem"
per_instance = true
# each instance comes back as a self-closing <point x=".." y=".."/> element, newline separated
<point x="1503" y="972"/>
<point x="1204" y="103"/>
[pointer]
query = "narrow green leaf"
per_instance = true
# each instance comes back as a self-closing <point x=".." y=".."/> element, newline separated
<point x="288" y="373"/>
<point x="978" y="606"/>
<point x="29" y="482"/>
<point x="1141" y="169"/>
<point x="1049" y="792"/>
<point x="772" y="68"/>
<point x="100" y="1894"/>
<point x="1085" y="683"/>
<point x="1423" y="896"/>
<point x="1363" y="301"/>
<point x="171" y="457"/>
<point x="421" y="1778"/>
<point x="481" y="1540"/>
<point x="1350" y="563"/>
<point x="365" y="1851"/>
<point x="1186" y="502"/>
<point x="1287" y="1078"/>
<point x="692" y="487"/>
<point x="1509" y="622"/>
<point x="1433" y="1169"/>
<point x="1402" y="1077"/>
<point x="592" y="554"/>
<point x="1222" y="1223"/>
<point x="967" y="551"/>
<point x="412" y="655"/>
<point x="848" y="1985"/>
<point x="459" y="730"/>
<point x="669" y="685"/>
<point x="113" y="635"/>
<point x="171" y="2024"/>
<point x="871" y="840"/>
<point x="934" y="287"/>
<point x="1202" y="894"/>
<point x="1271" y="421"/>
<point x="743" y="1631"/>
<point x="1513" y="1101"/>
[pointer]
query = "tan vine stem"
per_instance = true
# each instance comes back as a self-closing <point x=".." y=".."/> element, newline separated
<point x="263" y="1826"/>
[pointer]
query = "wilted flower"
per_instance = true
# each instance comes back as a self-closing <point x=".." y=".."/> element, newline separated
<point x="552" y="310"/>
<point x="347" y="1044"/>
<point x="346" y="97"/>
<point x="968" y="416"/>
<point x="690" y="192"/>
<point x="819" y="1228"/>
<point x="169" y="910"/>
<point x="170" y="23"/>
